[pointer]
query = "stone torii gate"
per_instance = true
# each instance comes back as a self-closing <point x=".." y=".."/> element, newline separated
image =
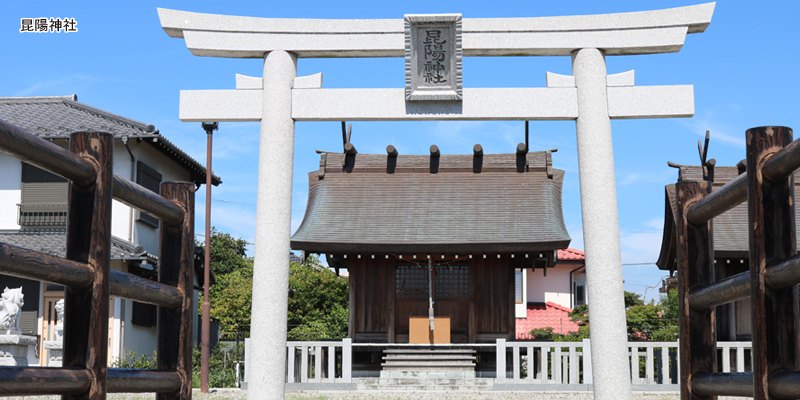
<point x="590" y="97"/>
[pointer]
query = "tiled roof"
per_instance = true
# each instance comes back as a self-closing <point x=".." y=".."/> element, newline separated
<point x="294" y="258"/>
<point x="545" y="315"/>
<point x="54" y="242"/>
<point x="451" y="203"/>
<point x="59" y="116"/>
<point x="571" y="254"/>
<point x="730" y="230"/>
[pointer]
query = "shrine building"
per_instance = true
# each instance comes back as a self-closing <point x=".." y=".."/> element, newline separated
<point x="454" y="230"/>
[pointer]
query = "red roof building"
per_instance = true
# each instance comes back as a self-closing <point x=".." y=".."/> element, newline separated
<point x="548" y="296"/>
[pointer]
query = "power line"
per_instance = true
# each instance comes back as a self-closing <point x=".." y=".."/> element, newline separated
<point x="228" y="201"/>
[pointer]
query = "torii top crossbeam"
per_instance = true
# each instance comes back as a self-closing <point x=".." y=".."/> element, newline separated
<point x="647" y="32"/>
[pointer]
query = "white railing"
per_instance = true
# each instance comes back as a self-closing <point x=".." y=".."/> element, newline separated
<point x="316" y="362"/>
<point x="735" y="353"/>
<point x="569" y="363"/>
<point x="544" y="362"/>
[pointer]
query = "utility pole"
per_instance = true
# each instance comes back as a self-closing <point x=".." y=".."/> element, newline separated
<point x="205" y="350"/>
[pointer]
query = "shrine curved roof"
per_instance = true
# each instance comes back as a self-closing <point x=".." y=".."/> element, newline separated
<point x="730" y="229"/>
<point x="418" y="203"/>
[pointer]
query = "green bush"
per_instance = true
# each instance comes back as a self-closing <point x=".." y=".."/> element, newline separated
<point x="131" y="361"/>
<point x="221" y="366"/>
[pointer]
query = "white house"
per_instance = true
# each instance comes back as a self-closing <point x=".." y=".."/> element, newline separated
<point x="33" y="209"/>
<point x="546" y="302"/>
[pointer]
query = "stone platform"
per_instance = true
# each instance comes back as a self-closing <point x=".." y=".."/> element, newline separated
<point x="14" y="349"/>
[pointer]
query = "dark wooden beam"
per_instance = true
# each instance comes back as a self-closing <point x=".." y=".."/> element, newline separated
<point x="35" y="381"/>
<point x="29" y="264"/>
<point x="142" y="381"/>
<point x="174" y="348"/>
<point x="141" y="198"/>
<point x="34" y="150"/>
<point x="771" y="213"/>
<point x="723" y="384"/>
<point x="89" y="241"/>
<point x="695" y="254"/>
<point x="144" y="290"/>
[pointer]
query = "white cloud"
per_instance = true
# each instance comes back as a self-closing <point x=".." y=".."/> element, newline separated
<point x="73" y="81"/>
<point x="719" y="131"/>
<point x="655" y="223"/>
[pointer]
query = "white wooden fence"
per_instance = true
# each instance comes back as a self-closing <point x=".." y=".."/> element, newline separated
<point x="569" y="363"/>
<point x="533" y="365"/>
<point x="306" y="362"/>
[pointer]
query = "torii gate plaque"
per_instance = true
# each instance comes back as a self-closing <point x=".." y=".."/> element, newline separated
<point x="590" y="97"/>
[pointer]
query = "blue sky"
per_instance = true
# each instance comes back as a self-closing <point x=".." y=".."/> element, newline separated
<point x="743" y="69"/>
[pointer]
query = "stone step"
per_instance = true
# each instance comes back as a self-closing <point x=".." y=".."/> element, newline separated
<point x="429" y="351"/>
<point x="428" y="367"/>
<point x="442" y="374"/>
<point x="440" y="388"/>
<point x="424" y="384"/>
<point x="428" y="357"/>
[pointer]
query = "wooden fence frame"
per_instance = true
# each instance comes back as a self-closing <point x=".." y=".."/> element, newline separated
<point x="771" y="283"/>
<point x="88" y="165"/>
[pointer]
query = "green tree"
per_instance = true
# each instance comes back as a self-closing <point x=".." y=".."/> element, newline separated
<point x="232" y="296"/>
<point x="669" y="302"/>
<point x="317" y="302"/>
<point x="228" y="254"/>
<point x="632" y="299"/>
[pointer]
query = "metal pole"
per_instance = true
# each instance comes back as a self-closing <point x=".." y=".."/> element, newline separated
<point x="205" y="349"/>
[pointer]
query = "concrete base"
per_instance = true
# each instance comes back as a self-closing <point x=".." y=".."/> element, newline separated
<point x="55" y="350"/>
<point x="14" y="350"/>
<point x="426" y="381"/>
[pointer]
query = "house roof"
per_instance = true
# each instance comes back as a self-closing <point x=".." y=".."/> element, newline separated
<point x="54" y="242"/>
<point x="451" y="203"/>
<point x="545" y="315"/>
<point x="730" y="229"/>
<point x="570" y="254"/>
<point x="57" y="117"/>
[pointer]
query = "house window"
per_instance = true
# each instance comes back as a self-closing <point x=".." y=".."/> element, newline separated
<point x="518" y="285"/>
<point x="450" y="282"/>
<point x="411" y="282"/>
<point x="150" y="179"/>
<point x="44" y="198"/>
<point x="579" y="291"/>
<point x="144" y="314"/>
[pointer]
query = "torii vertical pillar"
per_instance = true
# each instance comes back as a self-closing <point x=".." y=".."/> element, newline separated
<point x="601" y="227"/>
<point x="273" y="229"/>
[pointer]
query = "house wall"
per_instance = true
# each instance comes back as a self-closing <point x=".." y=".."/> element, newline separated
<point x="521" y="309"/>
<point x="10" y="190"/>
<point x="142" y="340"/>
<point x="143" y="234"/>
<point x="554" y="287"/>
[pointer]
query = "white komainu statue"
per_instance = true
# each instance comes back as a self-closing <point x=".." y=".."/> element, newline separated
<point x="10" y="308"/>
<point x="59" y="328"/>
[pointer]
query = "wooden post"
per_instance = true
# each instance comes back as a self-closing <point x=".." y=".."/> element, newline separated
<point x="772" y="238"/>
<point x="175" y="268"/>
<point x="695" y="253"/>
<point x="89" y="240"/>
